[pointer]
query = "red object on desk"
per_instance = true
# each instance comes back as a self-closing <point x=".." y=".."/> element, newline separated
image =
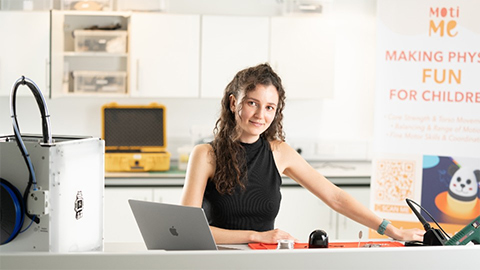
<point x="369" y="244"/>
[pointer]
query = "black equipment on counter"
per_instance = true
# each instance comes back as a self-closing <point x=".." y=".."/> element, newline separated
<point x="318" y="239"/>
<point x="432" y="237"/>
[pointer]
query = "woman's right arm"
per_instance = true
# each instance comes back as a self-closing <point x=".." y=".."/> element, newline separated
<point x="201" y="167"/>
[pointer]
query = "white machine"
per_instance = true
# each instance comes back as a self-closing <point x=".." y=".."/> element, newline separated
<point x="69" y="197"/>
<point x="51" y="189"/>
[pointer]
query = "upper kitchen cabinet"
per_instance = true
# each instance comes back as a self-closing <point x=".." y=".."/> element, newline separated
<point x="89" y="53"/>
<point x="165" y="55"/>
<point x="302" y="52"/>
<point x="24" y="50"/>
<point x="230" y="44"/>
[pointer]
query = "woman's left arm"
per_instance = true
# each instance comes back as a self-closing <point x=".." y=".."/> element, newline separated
<point x="295" y="167"/>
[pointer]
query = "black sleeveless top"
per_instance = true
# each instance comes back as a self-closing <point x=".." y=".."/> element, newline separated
<point x="254" y="208"/>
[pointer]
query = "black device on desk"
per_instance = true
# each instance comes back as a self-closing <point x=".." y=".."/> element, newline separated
<point x="432" y="237"/>
<point x="318" y="239"/>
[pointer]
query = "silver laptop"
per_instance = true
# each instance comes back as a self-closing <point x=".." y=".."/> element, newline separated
<point x="172" y="227"/>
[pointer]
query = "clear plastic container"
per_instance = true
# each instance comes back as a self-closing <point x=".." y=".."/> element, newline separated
<point x="99" y="81"/>
<point x="87" y="5"/>
<point x="114" y="41"/>
<point x="285" y="244"/>
<point x="183" y="156"/>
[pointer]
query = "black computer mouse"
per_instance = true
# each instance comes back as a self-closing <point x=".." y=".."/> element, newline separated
<point x="318" y="239"/>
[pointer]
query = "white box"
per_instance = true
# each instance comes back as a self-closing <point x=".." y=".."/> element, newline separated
<point x="66" y="168"/>
<point x="87" y="5"/>
<point x="100" y="81"/>
<point x="114" y="41"/>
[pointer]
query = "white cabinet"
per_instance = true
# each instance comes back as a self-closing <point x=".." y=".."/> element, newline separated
<point x="168" y="55"/>
<point x="24" y="50"/>
<point x="165" y="55"/>
<point x="301" y="213"/>
<point x="120" y="224"/>
<point x="302" y="52"/>
<point x="104" y="64"/>
<point x="170" y="195"/>
<point x="230" y="44"/>
<point x="162" y="57"/>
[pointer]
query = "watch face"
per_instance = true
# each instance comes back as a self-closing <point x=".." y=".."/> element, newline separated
<point x="383" y="227"/>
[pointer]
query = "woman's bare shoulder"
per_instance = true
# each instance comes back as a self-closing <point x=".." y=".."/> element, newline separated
<point x="203" y="151"/>
<point x="203" y="148"/>
<point x="280" y="146"/>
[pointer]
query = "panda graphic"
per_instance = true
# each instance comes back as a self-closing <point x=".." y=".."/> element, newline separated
<point x="463" y="189"/>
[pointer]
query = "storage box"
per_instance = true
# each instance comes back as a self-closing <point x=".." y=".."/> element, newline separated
<point x="135" y="138"/>
<point x="114" y="41"/>
<point x="87" y="5"/>
<point x="100" y="81"/>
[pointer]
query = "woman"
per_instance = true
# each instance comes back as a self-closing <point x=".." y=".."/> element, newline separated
<point x="237" y="177"/>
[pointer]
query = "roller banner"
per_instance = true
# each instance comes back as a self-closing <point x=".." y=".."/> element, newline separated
<point x="427" y="112"/>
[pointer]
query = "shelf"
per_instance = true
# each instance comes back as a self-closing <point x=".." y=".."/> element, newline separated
<point x="96" y="94"/>
<point x="94" y="54"/>
<point x="96" y="13"/>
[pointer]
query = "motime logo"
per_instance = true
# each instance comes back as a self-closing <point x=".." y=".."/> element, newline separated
<point x="442" y="26"/>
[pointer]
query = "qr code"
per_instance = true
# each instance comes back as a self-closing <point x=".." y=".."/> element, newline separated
<point x="394" y="180"/>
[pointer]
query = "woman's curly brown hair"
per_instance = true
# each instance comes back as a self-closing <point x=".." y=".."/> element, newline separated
<point x="231" y="170"/>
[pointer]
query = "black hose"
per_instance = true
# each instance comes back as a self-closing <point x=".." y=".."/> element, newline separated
<point x="47" y="135"/>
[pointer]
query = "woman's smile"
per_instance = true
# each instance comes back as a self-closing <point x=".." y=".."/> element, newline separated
<point x="257" y="124"/>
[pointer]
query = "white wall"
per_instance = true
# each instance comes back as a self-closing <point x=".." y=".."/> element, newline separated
<point x="337" y="128"/>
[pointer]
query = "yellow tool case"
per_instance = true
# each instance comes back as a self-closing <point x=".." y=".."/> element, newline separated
<point x="135" y="138"/>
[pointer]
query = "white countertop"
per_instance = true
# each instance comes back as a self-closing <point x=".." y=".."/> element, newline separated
<point x="427" y="257"/>
<point x="344" y="168"/>
<point x="339" y="172"/>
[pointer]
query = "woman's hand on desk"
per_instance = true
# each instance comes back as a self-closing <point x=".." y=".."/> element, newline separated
<point x="224" y="236"/>
<point x="271" y="237"/>
<point x="414" y="234"/>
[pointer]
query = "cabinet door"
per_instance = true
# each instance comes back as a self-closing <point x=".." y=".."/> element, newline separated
<point x="230" y="44"/>
<point x="302" y="52"/>
<point x="120" y="225"/>
<point x="165" y="58"/>
<point x="301" y="213"/>
<point x="24" y="50"/>
<point x="59" y="68"/>
<point x="169" y="195"/>
<point x="347" y="228"/>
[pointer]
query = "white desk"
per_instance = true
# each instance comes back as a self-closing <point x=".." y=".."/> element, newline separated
<point x="446" y="257"/>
